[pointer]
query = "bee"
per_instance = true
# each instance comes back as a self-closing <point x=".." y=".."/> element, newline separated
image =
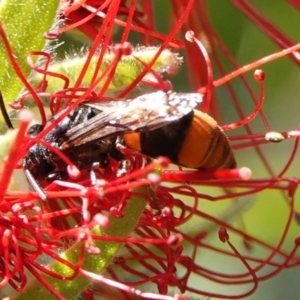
<point x="155" y="124"/>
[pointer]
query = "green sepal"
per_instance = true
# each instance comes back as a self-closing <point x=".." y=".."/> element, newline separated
<point x="128" y="69"/>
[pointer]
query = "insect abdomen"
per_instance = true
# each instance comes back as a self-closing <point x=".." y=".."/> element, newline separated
<point x="195" y="141"/>
<point x="164" y="141"/>
<point x="205" y="145"/>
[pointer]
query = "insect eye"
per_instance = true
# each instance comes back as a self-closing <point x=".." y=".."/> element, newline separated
<point x="35" y="129"/>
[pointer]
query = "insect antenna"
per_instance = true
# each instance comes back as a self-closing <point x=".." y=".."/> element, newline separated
<point x="4" y="113"/>
<point x="33" y="182"/>
<point x="33" y="131"/>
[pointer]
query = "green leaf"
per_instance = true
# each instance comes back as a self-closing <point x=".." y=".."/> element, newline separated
<point x="25" y="22"/>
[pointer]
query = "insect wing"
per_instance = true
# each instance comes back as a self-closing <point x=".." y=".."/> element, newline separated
<point x="144" y="113"/>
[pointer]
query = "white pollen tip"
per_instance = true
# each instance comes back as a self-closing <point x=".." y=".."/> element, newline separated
<point x="245" y="173"/>
<point x="25" y="116"/>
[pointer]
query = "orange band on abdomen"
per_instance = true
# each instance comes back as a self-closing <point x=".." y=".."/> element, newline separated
<point x="198" y="141"/>
<point x="132" y="140"/>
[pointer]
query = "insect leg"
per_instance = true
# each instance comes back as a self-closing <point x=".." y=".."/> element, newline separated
<point x="33" y="182"/>
<point x="59" y="175"/>
<point x="156" y="205"/>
